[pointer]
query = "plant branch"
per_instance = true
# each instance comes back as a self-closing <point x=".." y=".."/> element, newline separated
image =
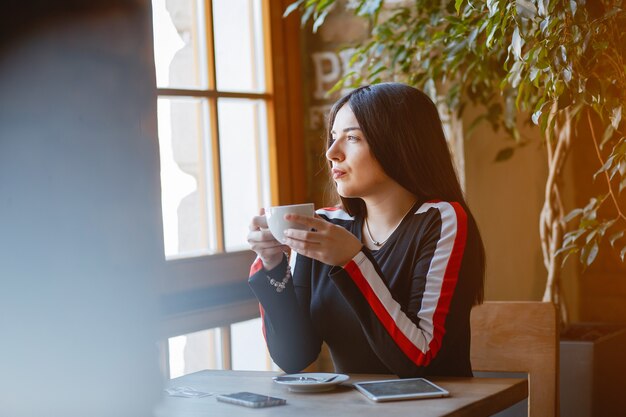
<point x="616" y="66"/>
<point x="606" y="174"/>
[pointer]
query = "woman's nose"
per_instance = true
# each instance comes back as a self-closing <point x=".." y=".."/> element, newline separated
<point x="333" y="153"/>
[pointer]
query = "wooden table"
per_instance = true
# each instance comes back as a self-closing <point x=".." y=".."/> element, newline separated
<point x="468" y="397"/>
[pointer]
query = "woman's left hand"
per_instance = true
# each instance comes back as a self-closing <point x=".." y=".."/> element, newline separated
<point x="328" y="243"/>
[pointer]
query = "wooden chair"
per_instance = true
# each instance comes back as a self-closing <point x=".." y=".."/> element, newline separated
<point x="520" y="337"/>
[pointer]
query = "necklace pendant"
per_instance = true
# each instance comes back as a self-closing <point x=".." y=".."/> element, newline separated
<point x="377" y="243"/>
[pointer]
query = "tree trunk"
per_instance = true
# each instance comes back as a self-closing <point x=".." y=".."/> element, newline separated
<point x="551" y="224"/>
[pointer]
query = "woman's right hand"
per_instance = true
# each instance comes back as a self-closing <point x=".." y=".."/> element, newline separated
<point x="263" y="243"/>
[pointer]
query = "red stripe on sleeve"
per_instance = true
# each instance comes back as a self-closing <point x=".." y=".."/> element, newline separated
<point x="409" y="349"/>
<point x="257" y="265"/>
<point x="263" y="322"/>
<point x="450" y="278"/>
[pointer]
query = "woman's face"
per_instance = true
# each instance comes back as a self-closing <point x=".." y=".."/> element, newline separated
<point x="354" y="169"/>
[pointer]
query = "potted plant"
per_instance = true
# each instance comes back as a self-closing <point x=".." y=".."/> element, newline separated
<point x="560" y="66"/>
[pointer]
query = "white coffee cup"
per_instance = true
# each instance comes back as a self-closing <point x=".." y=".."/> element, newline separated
<point x="276" y="218"/>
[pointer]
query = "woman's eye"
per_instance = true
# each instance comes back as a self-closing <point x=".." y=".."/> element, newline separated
<point x="353" y="138"/>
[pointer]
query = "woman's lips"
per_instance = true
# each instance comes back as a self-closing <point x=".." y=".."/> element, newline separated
<point x="337" y="173"/>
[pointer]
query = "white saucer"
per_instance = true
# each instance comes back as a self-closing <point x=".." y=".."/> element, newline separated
<point x="312" y="384"/>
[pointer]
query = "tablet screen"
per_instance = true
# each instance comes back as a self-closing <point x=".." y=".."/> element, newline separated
<point x="397" y="389"/>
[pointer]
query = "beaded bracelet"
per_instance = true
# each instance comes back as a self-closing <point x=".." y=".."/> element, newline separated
<point x="280" y="285"/>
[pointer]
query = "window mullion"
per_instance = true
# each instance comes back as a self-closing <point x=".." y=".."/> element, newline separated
<point x="214" y="128"/>
<point x="272" y="128"/>
<point x="226" y="348"/>
<point x="210" y="45"/>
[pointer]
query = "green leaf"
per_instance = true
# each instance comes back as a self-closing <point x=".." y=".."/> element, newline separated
<point x="591" y="236"/>
<point x="590" y="221"/>
<point x="526" y="9"/>
<point x="369" y="7"/>
<point x="492" y="5"/>
<point x="308" y="12"/>
<point x="377" y="69"/>
<point x="616" y="117"/>
<point x="320" y="20"/>
<point x="572" y="214"/>
<point x="293" y="6"/>
<point x="505" y="154"/>
<point x="339" y="84"/>
<point x="604" y="168"/>
<point x="614" y="169"/>
<point x="457" y="6"/>
<point x="616" y="237"/>
<point x="516" y="44"/>
<point x="572" y="237"/>
<point x="573" y="249"/>
<point x="515" y="74"/>
<point x="492" y="32"/>
<point x="565" y="249"/>
<point x="589" y="253"/>
<point x="591" y="205"/>
<point x="605" y="226"/>
<point x="608" y="134"/>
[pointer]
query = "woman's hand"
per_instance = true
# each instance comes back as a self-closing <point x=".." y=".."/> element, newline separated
<point x="328" y="243"/>
<point x="263" y="243"/>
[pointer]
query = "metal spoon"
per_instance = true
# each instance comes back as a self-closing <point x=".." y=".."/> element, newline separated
<point x="285" y="378"/>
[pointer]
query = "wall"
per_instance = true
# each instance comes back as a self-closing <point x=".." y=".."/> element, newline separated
<point x="506" y="198"/>
<point x="81" y="240"/>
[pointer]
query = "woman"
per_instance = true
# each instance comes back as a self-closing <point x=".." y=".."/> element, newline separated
<point x="389" y="277"/>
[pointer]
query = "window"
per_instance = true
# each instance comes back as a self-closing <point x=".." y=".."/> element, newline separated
<point x="212" y="112"/>
<point x="228" y="108"/>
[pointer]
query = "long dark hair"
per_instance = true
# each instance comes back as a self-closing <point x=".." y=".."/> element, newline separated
<point x="402" y="127"/>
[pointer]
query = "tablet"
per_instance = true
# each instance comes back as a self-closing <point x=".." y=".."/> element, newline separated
<point x="400" y="389"/>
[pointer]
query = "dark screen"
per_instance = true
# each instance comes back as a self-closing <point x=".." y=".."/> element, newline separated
<point x="398" y="387"/>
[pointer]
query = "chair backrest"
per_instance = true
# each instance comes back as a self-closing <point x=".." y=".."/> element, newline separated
<point x="520" y="337"/>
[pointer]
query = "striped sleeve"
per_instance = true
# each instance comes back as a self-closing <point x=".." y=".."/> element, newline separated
<point x="408" y="337"/>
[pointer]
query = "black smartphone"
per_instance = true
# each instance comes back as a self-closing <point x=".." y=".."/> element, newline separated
<point x="250" y="399"/>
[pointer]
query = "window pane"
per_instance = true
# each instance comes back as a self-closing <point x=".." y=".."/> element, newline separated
<point x="194" y="352"/>
<point x="186" y="187"/>
<point x="179" y="43"/>
<point x="249" y="352"/>
<point x="244" y="159"/>
<point x="238" y="45"/>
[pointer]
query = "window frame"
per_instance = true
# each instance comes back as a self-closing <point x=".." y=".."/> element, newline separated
<point x="228" y="271"/>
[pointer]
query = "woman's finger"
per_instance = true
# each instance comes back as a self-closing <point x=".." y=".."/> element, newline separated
<point x="261" y="236"/>
<point x="304" y="235"/>
<point x="258" y="222"/>
<point x="310" y="222"/>
<point x="301" y="244"/>
<point x="268" y="248"/>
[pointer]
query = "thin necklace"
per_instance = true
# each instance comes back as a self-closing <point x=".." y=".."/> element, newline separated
<point x="380" y="243"/>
